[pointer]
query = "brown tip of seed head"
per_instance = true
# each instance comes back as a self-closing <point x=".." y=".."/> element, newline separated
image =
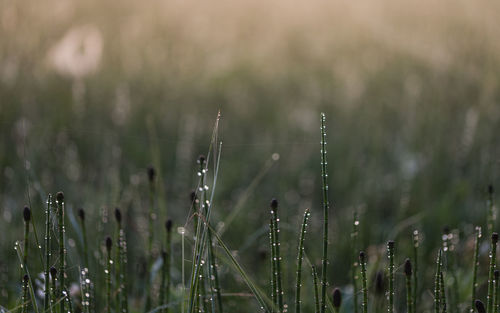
<point x="151" y="173"/>
<point x="446" y="230"/>
<point x="168" y="225"/>
<point x="26" y="214"/>
<point x="109" y="243"/>
<point x="53" y="272"/>
<point x="362" y="256"/>
<point x="26" y="278"/>
<point x="274" y="204"/>
<point x="81" y="214"/>
<point x="337" y="298"/>
<point x="490" y="189"/>
<point x="60" y="196"/>
<point x="479" y="306"/>
<point x="494" y="238"/>
<point x="496" y="273"/>
<point x="408" y="268"/>
<point x="201" y="159"/>
<point x="118" y="215"/>
<point x="390" y="244"/>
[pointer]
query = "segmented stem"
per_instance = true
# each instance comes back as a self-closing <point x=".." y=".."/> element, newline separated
<point x="300" y="255"/>
<point x="25" y="304"/>
<point x="354" y="262"/>
<point x="62" y="248"/>
<point x="324" y="176"/>
<point x="165" y="282"/>
<point x="493" y="257"/>
<point x="442" y="292"/>
<point x="492" y="216"/>
<point x="497" y="285"/>
<point x="437" y="282"/>
<point x="316" y="289"/>
<point x="390" y="254"/>
<point x="47" y="254"/>
<point x="274" y="298"/>
<point x="362" y="261"/>
<point x="107" y="273"/>
<point x="408" y="275"/>
<point x="151" y="217"/>
<point x="475" y="266"/>
<point x="415" y="268"/>
<point x="276" y="244"/>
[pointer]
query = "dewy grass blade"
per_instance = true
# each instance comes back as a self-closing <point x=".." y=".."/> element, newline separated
<point x="475" y="266"/>
<point x="354" y="261"/>
<point x="437" y="282"/>
<point x="326" y="205"/>
<point x="300" y="254"/>
<point x="491" y="286"/>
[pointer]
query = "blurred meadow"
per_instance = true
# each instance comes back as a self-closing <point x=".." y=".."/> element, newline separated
<point x="92" y="92"/>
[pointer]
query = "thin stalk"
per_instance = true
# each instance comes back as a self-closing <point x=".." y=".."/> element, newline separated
<point x="151" y="218"/>
<point x="276" y="244"/>
<point x="408" y="274"/>
<point x="53" y="289"/>
<point x="117" y="261"/>
<point x="354" y="262"/>
<point x="107" y="273"/>
<point x="362" y="261"/>
<point x="25" y="293"/>
<point x="300" y="256"/>
<point x="274" y="297"/>
<point x="415" y="268"/>
<point x="491" y="210"/>
<point x="336" y="300"/>
<point x="81" y="215"/>
<point x="390" y="254"/>
<point x="437" y="282"/>
<point x="26" y="217"/>
<point x="47" y="255"/>
<point x="443" y="292"/>
<point x="497" y="285"/>
<point x="316" y="289"/>
<point x="324" y="176"/>
<point x="62" y="248"/>
<point x="165" y="282"/>
<point x="475" y="266"/>
<point x="493" y="257"/>
<point x="479" y="306"/>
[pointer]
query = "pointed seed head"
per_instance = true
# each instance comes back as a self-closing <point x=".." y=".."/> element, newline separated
<point x="337" y="298"/>
<point x="201" y="159"/>
<point x="26" y="278"/>
<point x="151" y="173"/>
<point x="496" y="274"/>
<point x="168" y="225"/>
<point x="390" y="244"/>
<point x="274" y="204"/>
<point x="491" y="190"/>
<point x="408" y="267"/>
<point x="193" y="196"/>
<point x="118" y="215"/>
<point x="479" y="306"/>
<point x="81" y="214"/>
<point x="109" y="243"/>
<point x="446" y="230"/>
<point x="379" y="283"/>
<point x="26" y="214"/>
<point x="362" y="257"/>
<point x="494" y="238"/>
<point x="53" y="272"/>
<point x="60" y="197"/>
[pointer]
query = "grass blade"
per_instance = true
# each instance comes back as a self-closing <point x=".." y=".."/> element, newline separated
<point x="300" y="255"/>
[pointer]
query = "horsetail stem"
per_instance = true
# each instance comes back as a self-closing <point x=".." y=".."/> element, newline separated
<point x="415" y="268"/>
<point x="362" y="261"/>
<point x="25" y="293"/>
<point x="491" y="210"/>
<point x="62" y="248"/>
<point x="151" y="216"/>
<point x="107" y="273"/>
<point x="390" y="254"/>
<point x="354" y="261"/>
<point x="316" y="289"/>
<point x="165" y="280"/>
<point x="274" y="298"/>
<point x="475" y="265"/>
<point x="121" y="265"/>
<point x="27" y="218"/>
<point x="493" y="257"/>
<point x="53" y="291"/>
<point x="81" y="216"/>
<point x="324" y="176"/>
<point x="437" y="282"/>
<point x="408" y="273"/>
<point x="479" y="306"/>
<point x="116" y="263"/>
<point x="47" y="254"/>
<point x="300" y="256"/>
<point x="442" y="292"/>
<point x="276" y="245"/>
<point x="336" y="300"/>
<point x="497" y="285"/>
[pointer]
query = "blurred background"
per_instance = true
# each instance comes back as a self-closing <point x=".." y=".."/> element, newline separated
<point x="92" y="92"/>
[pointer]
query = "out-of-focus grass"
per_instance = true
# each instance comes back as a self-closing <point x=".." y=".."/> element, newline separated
<point x="92" y="92"/>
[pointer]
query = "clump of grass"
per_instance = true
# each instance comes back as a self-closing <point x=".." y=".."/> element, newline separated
<point x="336" y="300"/>
<point x="409" y="295"/>
<point x="493" y="257"/>
<point x="475" y="265"/>
<point x="62" y="248"/>
<point x="277" y="257"/>
<point x="362" y="261"/>
<point x="300" y="256"/>
<point x="390" y="254"/>
<point x="107" y="273"/>
<point x="326" y="207"/>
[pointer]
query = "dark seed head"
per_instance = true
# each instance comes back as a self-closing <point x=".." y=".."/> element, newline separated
<point x="479" y="306"/>
<point x="408" y="267"/>
<point x="26" y="278"/>
<point x="27" y="214"/>
<point x="379" y="283"/>
<point x="53" y="272"/>
<point x="274" y="204"/>
<point x="118" y="215"/>
<point x="193" y="196"/>
<point x="337" y="298"/>
<point x="490" y="189"/>
<point x="81" y="214"/>
<point x="168" y="225"/>
<point x="497" y="274"/>
<point x="60" y="197"/>
<point x="109" y="243"/>
<point x="201" y="159"/>
<point x="390" y="244"/>
<point x="362" y="257"/>
<point x="494" y="238"/>
<point x="151" y="173"/>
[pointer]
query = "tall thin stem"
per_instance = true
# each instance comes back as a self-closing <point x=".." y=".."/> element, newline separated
<point x="62" y="249"/>
<point x="107" y="273"/>
<point x="362" y="261"/>
<point x="408" y="274"/>
<point x="415" y="268"/>
<point x="491" y="286"/>
<point x="300" y="254"/>
<point x="475" y="266"/>
<point x="316" y="289"/>
<point x="276" y="244"/>
<point x="390" y="254"/>
<point x="47" y="255"/>
<point x="437" y="282"/>
<point x="354" y="261"/>
<point x="326" y="205"/>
